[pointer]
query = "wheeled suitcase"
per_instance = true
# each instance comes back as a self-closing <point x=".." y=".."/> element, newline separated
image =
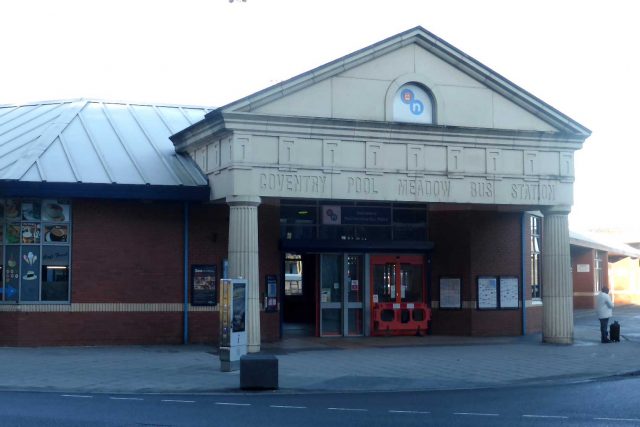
<point x="614" y="331"/>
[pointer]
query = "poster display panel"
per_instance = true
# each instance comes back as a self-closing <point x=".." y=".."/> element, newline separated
<point x="204" y="290"/>
<point x="487" y="292"/>
<point x="450" y="292"/>
<point x="509" y="292"/>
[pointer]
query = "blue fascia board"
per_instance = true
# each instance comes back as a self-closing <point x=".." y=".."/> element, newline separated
<point x="103" y="191"/>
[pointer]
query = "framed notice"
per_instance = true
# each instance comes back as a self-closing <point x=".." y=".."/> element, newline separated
<point x="487" y="292"/>
<point x="509" y="292"/>
<point x="204" y="289"/>
<point x="450" y="292"/>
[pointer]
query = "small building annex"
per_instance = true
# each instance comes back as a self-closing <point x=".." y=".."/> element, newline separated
<point x="403" y="176"/>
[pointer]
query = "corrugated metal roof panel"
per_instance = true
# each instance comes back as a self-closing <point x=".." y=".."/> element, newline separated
<point x="96" y="142"/>
<point x="55" y="164"/>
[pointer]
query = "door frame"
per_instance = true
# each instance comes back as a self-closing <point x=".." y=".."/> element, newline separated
<point x="344" y="304"/>
<point x="377" y="259"/>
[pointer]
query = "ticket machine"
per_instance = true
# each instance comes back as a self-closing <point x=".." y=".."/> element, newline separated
<point x="233" y="334"/>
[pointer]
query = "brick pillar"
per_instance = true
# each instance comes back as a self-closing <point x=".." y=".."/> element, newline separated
<point x="243" y="259"/>
<point x="557" y="285"/>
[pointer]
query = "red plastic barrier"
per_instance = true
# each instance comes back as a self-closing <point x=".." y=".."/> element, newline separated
<point x="400" y="318"/>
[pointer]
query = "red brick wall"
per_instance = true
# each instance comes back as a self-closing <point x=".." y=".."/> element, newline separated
<point x="128" y="252"/>
<point x="534" y="319"/>
<point x="469" y="244"/>
<point x="132" y="252"/>
<point x="583" y="282"/>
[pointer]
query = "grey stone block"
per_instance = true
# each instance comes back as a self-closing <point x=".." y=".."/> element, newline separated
<point x="258" y="372"/>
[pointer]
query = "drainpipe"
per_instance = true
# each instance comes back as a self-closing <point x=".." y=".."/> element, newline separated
<point x="185" y="333"/>
<point x="523" y="270"/>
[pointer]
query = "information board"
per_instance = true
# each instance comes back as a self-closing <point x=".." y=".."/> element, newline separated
<point x="487" y="292"/>
<point x="509" y="292"/>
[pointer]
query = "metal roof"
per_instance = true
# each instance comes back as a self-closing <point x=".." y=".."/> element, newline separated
<point x="603" y="244"/>
<point x="96" y="142"/>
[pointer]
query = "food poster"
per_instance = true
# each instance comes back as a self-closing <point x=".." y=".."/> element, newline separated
<point x="30" y="233"/>
<point x="239" y="307"/>
<point x="31" y="211"/>
<point x="55" y="210"/>
<point x="11" y="273"/>
<point x="14" y="232"/>
<point x="12" y="209"/>
<point x="30" y="273"/>
<point x="56" y="233"/>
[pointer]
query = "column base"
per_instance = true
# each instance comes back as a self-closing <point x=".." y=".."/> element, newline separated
<point x="253" y="348"/>
<point x="558" y="340"/>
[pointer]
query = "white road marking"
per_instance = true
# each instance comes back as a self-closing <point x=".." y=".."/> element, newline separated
<point x="179" y="401"/>
<point x="348" y="409"/>
<point x="545" y="416"/>
<point x="125" y="398"/>
<point x="233" y="404"/>
<point x="77" y="396"/>
<point x="479" y="414"/>
<point x="618" y="419"/>
<point x="287" y="407"/>
<point x="408" y="412"/>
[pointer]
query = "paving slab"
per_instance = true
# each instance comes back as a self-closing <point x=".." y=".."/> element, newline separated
<point x="335" y="365"/>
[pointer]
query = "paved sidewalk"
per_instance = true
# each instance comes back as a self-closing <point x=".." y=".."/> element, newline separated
<point x="351" y="364"/>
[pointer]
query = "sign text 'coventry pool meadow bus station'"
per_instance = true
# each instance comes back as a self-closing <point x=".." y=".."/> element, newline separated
<point x="422" y="189"/>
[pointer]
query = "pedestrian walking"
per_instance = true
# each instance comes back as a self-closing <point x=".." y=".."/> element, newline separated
<point x="604" y="308"/>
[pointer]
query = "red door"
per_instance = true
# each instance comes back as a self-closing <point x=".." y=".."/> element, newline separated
<point x="398" y="294"/>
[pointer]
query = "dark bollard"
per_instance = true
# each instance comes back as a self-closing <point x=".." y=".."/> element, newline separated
<point x="258" y="372"/>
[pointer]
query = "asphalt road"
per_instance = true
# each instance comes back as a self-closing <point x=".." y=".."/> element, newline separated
<point x="603" y="403"/>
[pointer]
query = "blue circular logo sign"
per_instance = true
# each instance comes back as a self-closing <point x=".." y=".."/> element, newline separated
<point x="407" y="96"/>
<point x="416" y="107"/>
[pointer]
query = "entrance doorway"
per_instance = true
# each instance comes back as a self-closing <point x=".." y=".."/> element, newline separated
<point x="299" y="299"/>
<point x="397" y="295"/>
<point x="342" y="284"/>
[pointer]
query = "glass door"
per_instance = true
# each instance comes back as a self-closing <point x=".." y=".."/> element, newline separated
<point x="354" y="298"/>
<point x="397" y="279"/>
<point x="397" y="287"/>
<point x="341" y="295"/>
<point x="331" y="294"/>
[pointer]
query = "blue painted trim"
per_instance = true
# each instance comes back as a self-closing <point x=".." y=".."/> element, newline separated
<point x="523" y="266"/>
<point x="103" y="191"/>
<point x="185" y="333"/>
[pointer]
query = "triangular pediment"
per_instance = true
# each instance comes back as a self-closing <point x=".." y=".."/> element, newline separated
<point x="361" y="86"/>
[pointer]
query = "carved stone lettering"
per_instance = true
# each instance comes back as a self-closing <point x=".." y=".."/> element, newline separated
<point x="482" y="189"/>
<point x="361" y="185"/>
<point x="424" y="188"/>
<point x="542" y="192"/>
<point x="293" y="183"/>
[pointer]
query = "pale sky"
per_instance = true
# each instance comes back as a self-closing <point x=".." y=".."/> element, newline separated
<point x="581" y="57"/>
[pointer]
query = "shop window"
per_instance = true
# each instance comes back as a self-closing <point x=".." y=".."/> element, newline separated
<point x="35" y="250"/>
<point x="413" y="104"/>
<point x="534" y="251"/>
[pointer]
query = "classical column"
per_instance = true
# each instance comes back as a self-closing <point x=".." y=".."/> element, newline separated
<point x="557" y="286"/>
<point x="243" y="259"/>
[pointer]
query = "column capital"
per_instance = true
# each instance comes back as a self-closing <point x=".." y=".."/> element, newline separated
<point x="244" y="200"/>
<point x="556" y="210"/>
